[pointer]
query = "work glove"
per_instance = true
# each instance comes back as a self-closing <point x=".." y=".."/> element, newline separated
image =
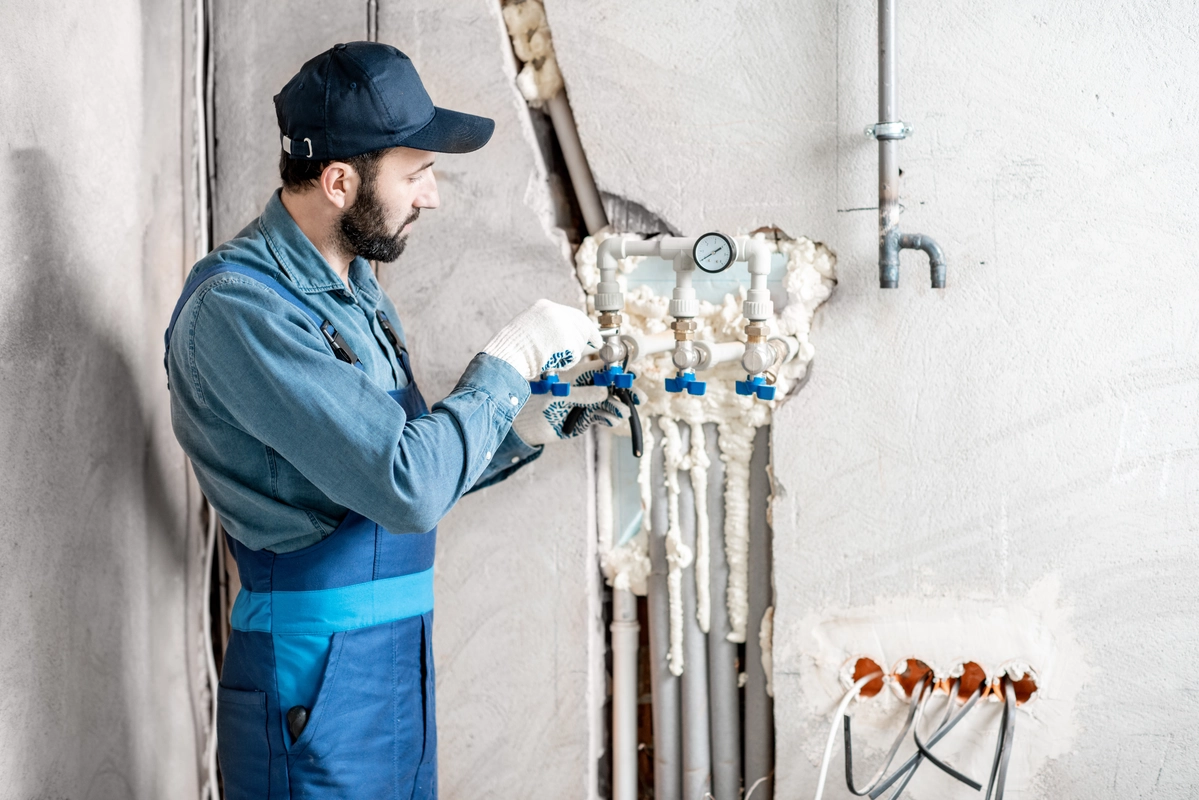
<point x="546" y="336"/>
<point x="541" y="419"/>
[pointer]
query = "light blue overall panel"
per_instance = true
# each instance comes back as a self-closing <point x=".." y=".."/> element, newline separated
<point x="328" y="611"/>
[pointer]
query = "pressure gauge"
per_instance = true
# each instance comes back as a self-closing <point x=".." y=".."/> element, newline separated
<point x="714" y="252"/>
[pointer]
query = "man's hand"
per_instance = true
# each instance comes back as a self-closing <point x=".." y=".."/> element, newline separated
<point x="540" y="421"/>
<point x="545" y="336"/>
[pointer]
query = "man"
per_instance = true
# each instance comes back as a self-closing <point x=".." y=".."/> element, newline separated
<point x="292" y="394"/>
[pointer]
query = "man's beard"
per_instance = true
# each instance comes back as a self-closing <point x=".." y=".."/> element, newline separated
<point x="362" y="229"/>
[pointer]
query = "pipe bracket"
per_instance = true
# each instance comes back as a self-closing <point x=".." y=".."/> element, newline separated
<point x="884" y="131"/>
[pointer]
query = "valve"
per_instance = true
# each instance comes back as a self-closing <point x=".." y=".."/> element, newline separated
<point x="686" y="381"/>
<point x="550" y="383"/>
<point x="756" y="385"/>
<point x="615" y="376"/>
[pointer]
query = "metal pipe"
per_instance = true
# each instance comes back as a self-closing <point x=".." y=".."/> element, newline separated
<point x="625" y="634"/>
<point x="664" y="686"/>
<point x="759" y="706"/>
<point x="889" y="130"/>
<point x="723" y="703"/>
<point x="576" y="163"/>
<point x="697" y="764"/>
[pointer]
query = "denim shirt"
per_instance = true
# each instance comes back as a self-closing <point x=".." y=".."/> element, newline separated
<point x="285" y="438"/>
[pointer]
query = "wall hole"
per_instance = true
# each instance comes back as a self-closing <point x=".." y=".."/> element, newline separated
<point x="864" y="667"/>
<point x="973" y="676"/>
<point x="910" y="673"/>
<point x="1025" y="687"/>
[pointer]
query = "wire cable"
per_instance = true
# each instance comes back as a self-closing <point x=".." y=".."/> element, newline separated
<point x="915" y="759"/>
<point x="882" y="770"/>
<point x="209" y="789"/>
<point x="853" y="692"/>
<point x="924" y="750"/>
<point x="1003" y="744"/>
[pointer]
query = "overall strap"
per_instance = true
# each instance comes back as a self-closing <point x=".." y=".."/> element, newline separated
<point x="334" y="339"/>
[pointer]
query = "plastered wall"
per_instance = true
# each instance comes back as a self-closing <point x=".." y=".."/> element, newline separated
<point x="94" y="689"/>
<point x="1021" y="446"/>
<point x="519" y="665"/>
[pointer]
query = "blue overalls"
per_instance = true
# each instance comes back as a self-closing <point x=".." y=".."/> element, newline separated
<point x="341" y="629"/>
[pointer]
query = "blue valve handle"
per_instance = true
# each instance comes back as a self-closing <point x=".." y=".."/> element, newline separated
<point x="685" y="381"/>
<point x="550" y="383"/>
<point x="615" y="376"/>
<point x="756" y="386"/>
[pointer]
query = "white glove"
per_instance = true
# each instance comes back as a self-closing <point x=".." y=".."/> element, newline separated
<point x="545" y="336"/>
<point x="541" y="419"/>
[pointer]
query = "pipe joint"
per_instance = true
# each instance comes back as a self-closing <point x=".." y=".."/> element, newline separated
<point x="936" y="258"/>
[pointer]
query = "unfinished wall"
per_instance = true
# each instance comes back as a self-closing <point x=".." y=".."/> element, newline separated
<point x="1023" y="444"/>
<point x="516" y="573"/>
<point x="94" y="692"/>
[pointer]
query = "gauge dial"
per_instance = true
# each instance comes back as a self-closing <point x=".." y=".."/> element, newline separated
<point x="714" y="252"/>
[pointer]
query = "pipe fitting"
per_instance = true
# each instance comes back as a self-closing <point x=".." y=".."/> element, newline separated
<point x="759" y="357"/>
<point x="936" y="258"/>
<point x="614" y="350"/>
<point x="685" y="357"/>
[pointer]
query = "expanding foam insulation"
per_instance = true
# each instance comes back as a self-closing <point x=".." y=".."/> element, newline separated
<point x="94" y="695"/>
<point x="518" y="641"/>
<point x="1019" y="452"/>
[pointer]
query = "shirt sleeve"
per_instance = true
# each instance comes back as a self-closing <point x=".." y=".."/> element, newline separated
<point x="260" y="364"/>
<point x="512" y="454"/>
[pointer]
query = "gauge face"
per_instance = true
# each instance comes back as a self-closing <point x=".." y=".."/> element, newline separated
<point x="714" y="252"/>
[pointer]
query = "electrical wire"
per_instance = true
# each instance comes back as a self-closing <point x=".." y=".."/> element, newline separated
<point x="1003" y="744"/>
<point x="209" y="790"/>
<point x="882" y="770"/>
<point x="853" y="692"/>
<point x="916" y="758"/>
<point x="923" y="748"/>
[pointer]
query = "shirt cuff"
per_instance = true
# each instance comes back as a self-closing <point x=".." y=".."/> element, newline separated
<point x="511" y="455"/>
<point x="498" y="379"/>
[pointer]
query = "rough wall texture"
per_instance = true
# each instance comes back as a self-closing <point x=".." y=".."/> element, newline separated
<point x="95" y="696"/>
<point x="516" y="627"/>
<point x="1034" y="424"/>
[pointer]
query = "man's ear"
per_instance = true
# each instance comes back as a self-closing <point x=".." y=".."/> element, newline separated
<point x="339" y="182"/>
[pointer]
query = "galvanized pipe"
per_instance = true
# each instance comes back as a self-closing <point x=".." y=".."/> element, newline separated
<point x="724" y="705"/>
<point x="759" y="706"/>
<point x="664" y="686"/>
<point x="889" y="131"/>
<point x="697" y="753"/>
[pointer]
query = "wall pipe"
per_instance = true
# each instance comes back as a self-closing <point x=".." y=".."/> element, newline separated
<point x="664" y="686"/>
<point x="697" y="764"/>
<point x="576" y="163"/>
<point x="759" y="706"/>
<point x="724" y="702"/>
<point x="889" y="131"/>
<point x="625" y="635"/>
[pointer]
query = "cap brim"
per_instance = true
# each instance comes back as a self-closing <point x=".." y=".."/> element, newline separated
<point x="451" y="132"/>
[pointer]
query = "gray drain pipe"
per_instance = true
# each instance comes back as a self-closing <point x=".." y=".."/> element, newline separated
<point x="759" y="707"/>
<point x="724" y="700"/>
<point x="697" y="765"/>
<point x="664" y="686"/>
<point x="888" y="131"/>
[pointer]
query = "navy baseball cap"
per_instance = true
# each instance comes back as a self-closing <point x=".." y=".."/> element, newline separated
<point x="363" y="96"/>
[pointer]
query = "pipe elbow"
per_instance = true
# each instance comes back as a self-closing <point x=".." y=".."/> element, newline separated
<point x="610" y="250"/>
<point x="757" y="253"/>
<point x="936" y="257"/>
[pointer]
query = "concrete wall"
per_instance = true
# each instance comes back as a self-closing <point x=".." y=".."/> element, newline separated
<point x="515" y="583"/>
<point x="94" y="693"/>
<point x="1023" y="444"/>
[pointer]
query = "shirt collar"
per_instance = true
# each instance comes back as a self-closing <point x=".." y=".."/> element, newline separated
<point x="302" y="262"/>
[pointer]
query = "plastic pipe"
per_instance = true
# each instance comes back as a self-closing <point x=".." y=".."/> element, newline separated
<point x="757" y="306"/>
<point x="697" y="764"/>
<point x="609" y="299"/>
<point x="724" y="705"/>
<point x="576" y="163"/>
<point x="642" y="345"/>
<point x="664" y="686"/>
<point x="713" y="354"/>
<point x="759" y="706"/>
<point x="626" y="632"/>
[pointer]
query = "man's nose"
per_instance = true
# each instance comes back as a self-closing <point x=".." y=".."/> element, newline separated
<point x="429" y="197"/>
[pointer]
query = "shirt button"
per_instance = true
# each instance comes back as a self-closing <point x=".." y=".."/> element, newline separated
<point x="515" y="402"/>
<point x="487" y="454"/>
<point x="515" y="459"/>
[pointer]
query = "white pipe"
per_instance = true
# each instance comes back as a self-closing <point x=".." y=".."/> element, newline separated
<point x="757" y="306"/>
<point x="712" y="354"/>
<point x="644" y="345"/>
<point x="576" y="164"/>
<point x="626" y="634"/>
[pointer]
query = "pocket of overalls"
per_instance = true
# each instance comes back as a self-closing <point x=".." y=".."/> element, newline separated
<point x="243" y="746"/>
<point x="367" y="727"/>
